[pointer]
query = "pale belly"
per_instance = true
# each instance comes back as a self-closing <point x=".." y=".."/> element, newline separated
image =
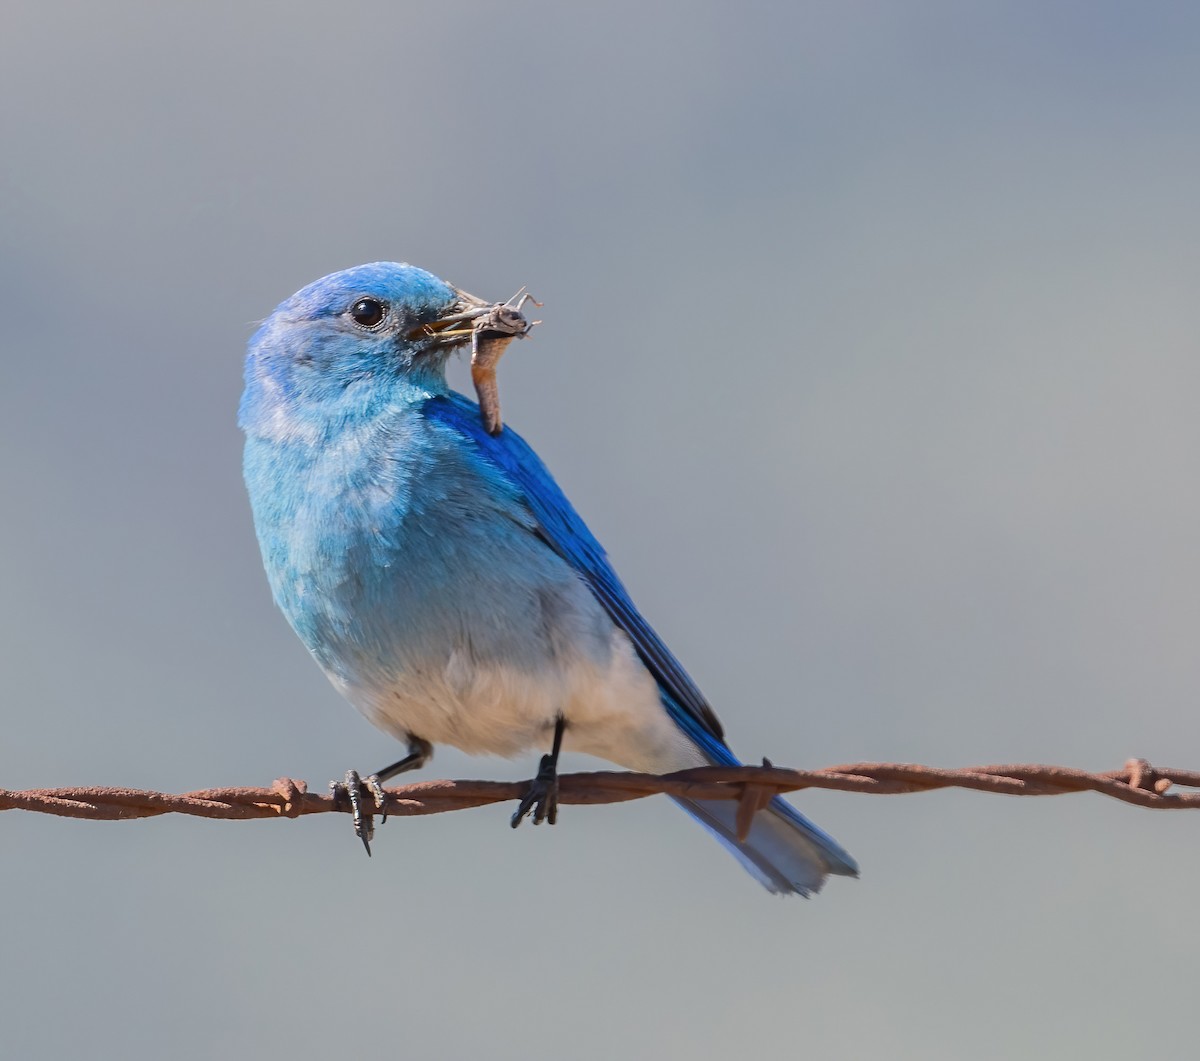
<point x="611" y="708"/>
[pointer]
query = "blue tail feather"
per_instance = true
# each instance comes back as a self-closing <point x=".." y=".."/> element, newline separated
<point x="784" y="851"/>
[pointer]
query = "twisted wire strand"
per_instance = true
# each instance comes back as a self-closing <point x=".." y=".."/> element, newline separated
<point x="753" y="787"/>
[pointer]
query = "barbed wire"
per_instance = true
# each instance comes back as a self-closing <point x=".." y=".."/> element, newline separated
<point x="753" y="787"/>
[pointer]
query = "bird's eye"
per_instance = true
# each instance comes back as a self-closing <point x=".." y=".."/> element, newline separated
<point x="368" y="312"/>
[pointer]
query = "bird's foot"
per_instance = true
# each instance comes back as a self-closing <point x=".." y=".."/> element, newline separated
<point x="542" y="796"/>
<point x="350" y="792"/>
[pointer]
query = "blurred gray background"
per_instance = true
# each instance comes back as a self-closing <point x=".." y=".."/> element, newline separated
<point x="870" y="353"/>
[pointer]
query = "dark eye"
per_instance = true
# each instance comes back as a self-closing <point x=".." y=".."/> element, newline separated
<point x="369" y="312"/>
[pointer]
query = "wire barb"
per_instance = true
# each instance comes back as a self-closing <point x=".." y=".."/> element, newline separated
<point x="1138" y="782"/>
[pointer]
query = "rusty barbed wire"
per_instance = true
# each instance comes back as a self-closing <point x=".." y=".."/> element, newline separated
<point x="1137" y="782"/>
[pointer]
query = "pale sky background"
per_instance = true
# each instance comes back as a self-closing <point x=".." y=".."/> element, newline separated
<point x="871" y="355"/>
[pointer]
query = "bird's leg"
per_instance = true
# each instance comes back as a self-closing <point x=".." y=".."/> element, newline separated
<point x="419" y="753"/>
<point x="351" y="787"/>
<point x="542" y="797"/>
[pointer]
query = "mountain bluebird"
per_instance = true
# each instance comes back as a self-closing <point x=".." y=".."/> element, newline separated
<point x="440" y="577"/>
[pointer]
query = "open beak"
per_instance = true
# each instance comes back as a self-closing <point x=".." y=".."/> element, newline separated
<point x="461" y="320"/>
<point x="454" y="326"/>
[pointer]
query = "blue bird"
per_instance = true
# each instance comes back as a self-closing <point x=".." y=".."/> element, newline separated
<point x="440" y="577"/>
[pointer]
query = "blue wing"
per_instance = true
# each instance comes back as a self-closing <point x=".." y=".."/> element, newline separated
<point x="560" y="526"/>
<point x="784" y="851"/>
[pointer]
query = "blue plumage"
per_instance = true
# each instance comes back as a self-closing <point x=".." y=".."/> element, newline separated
<point x="439" y="575"/>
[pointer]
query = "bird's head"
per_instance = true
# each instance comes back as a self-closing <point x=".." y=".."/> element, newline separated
<point x="358" y="336"/>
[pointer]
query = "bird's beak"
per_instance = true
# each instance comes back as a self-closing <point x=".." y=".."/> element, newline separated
<point x="454" y="325"/>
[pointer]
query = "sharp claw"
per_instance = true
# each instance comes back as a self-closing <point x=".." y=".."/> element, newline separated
<point x="376" y="787"/>
<point x="542" y="796"/>
<point x="364" y="823"/>
<point x="350" y="790"/>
